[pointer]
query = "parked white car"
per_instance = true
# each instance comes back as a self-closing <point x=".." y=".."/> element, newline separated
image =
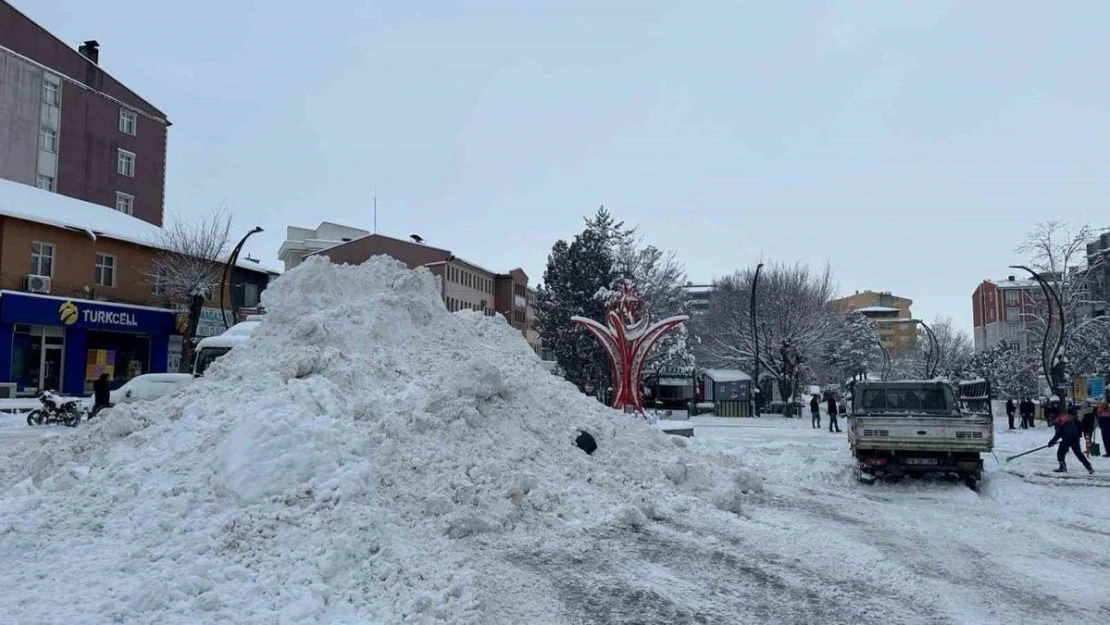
<point x="150" y="386"/>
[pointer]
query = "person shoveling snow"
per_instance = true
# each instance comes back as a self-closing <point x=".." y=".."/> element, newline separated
<point x="1069" y="434"/>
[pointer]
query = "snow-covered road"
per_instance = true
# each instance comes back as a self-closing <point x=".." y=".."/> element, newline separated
<point x="816" y="546"/>
<point x="1020" y="550"/>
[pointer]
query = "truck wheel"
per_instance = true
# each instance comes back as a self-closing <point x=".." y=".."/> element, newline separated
<point x="970" y="481"/>
<point x="865" y="477"/>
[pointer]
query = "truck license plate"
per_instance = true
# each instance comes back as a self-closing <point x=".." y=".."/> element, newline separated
<point x="921" y="460"/>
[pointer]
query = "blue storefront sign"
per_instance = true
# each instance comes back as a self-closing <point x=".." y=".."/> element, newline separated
<point x="75" y="319"/>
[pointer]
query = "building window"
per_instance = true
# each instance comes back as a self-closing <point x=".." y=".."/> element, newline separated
<point x="160" y="278"/>
<point x="45" y="182"/>
<point x="1012" y="298"/>
<point x="51" y="92"/>
<point x="125" y="202"/>
<point x="250" y="295"/>
<point x="49" y="140"/>
<point x="128" y="122"/>
<point x="125" y="163"/>
<point x="105" y="270"/>
<point x="42" y="259"/>
<point x="1013" y="313"/>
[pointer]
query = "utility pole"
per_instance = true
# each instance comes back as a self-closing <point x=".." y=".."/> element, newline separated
<point x="375" y="209"/>
<point x="755" y="340"/>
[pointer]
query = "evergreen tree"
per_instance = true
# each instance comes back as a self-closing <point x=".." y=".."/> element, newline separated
<point x="575" y="274"/>
<point x="852" y="353"/>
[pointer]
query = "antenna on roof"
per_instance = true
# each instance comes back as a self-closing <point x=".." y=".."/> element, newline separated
<point x="375" y="209"/>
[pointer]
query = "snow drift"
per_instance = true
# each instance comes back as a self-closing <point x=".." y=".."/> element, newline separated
<point x="367" y="457"/>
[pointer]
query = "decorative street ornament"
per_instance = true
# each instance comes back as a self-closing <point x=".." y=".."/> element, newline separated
<point x="627" y="340"/>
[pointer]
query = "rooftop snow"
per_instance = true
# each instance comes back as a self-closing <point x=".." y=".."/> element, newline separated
<point x="20" y="201"/>
<point x="868" y="309"/>
<point x="726" y="375"/>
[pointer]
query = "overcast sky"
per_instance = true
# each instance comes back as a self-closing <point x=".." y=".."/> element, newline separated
<point x="909" y="144"/>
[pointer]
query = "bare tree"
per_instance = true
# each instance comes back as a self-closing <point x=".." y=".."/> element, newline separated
<point x="793" y="322"/>
<point x="187" y="269"/>
<point x="1058" y="253"/>
<point x="955" y="351"/>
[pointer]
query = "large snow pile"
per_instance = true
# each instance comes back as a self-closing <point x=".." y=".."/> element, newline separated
<point x="367" y="457"/>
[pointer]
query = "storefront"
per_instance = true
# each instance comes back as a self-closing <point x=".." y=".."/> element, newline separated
<point x="65" y="344"/>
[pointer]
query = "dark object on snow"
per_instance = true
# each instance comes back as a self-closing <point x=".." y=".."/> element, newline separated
<point x="102" y="393"/>
<point x="586" y="442"/>
<point x="417" y="238"/>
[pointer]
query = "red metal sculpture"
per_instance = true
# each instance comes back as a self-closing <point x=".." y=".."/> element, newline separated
<point x="627" y="340"/>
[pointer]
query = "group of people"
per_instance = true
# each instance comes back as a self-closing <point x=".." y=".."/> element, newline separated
<point x="1071" y="428"/>
<point x="1026" y="408"/>
<point x="834" y="409"/>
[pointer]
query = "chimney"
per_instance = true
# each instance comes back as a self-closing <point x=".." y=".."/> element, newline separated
<point x="91" y="51"/>
<point x="1011" y="278"/>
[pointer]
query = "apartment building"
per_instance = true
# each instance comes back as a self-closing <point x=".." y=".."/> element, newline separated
<point x="465" y="285"/>
<point x="68" y="127"/>
<point x="1005" y="310"/>
<point x="300" y="242"/>
<point x="891" y="315"/>
<point x="77" y="296"/>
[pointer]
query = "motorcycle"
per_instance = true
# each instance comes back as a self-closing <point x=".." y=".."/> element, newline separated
<point x="55" y="410"/>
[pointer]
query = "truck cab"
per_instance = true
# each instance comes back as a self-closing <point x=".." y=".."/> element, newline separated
<point x="912" y="428"/>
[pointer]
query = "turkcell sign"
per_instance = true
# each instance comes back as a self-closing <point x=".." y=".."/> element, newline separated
<point x="107" y="317"/>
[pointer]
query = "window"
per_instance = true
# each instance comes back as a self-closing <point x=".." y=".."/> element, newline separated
<point x="1013" y="313"/>
<point x="105" y="270"/>
<point x="51" y="92"/>
<point x="48" y="139"/>
<point x="1012" y="298"/>
<point x="125" y="202"/>
<point x="160" y="279"/>
<point x="125" y="163"/>
<point x="128" y="121"/>
<point x="42" y="259"/>
<point x="250" y="295"/>
<point x="45" y="182"/>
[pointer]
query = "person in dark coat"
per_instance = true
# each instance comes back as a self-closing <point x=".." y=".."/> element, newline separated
<point x="833" y="411"/>
<point x="1010" y="410"/>
<point x="1087" y="427"/>
<point x="1068" y="433"/>
<point x="1027" y="409"/>
<point x="1103" y="416"/>
<point x="102" y="394"/>
<point x="815" y="412"/>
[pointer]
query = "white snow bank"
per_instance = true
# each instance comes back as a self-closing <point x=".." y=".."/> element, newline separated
<point x="366" y="457"/>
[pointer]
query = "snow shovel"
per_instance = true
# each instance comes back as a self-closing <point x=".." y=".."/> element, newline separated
<point x="1026" y="453"/>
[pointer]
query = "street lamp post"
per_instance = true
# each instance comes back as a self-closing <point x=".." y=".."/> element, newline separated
<point x="755" y="340"/>
<point x="234" y="258"/>
<point x="1053" y="373"/>
<point x="886" y="359"/>
<point x="931" y="371"/>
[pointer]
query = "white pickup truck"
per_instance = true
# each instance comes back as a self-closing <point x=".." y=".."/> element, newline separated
<point x="911" y="428"/>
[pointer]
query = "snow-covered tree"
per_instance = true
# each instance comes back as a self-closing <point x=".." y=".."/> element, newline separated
<point x="853" y="348"/>
<point x="575" y="273"/>
<point x="793" y="322"/>
<point x="660" y="279"/>
<point x="1058" y="252"/>
<point x="187" y="269"/>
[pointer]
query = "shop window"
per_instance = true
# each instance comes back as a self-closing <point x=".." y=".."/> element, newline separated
<point x="105" y="270"/>
<point x="121" y="356"/>
<point x="42" y="259"/>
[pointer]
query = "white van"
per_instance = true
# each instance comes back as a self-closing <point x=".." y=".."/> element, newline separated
<point x="211" y="348"/>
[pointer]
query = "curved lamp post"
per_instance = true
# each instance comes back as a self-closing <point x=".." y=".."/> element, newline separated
<point x="886" y="359"/>
<point x="755" y="340"/>
<point x="231" y="261"/>
<point x="931" y="370"/>
<point x="1049" y="357"/>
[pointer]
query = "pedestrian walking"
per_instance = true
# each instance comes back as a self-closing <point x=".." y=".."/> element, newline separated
<point x="1068" y="433"/>
<point x="815" y="412"/>
<point x="1010" y="410"/>
<point x="834" y="410"/>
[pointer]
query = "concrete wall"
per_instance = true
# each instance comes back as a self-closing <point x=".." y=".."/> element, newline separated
<point x="20" y="104"/>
